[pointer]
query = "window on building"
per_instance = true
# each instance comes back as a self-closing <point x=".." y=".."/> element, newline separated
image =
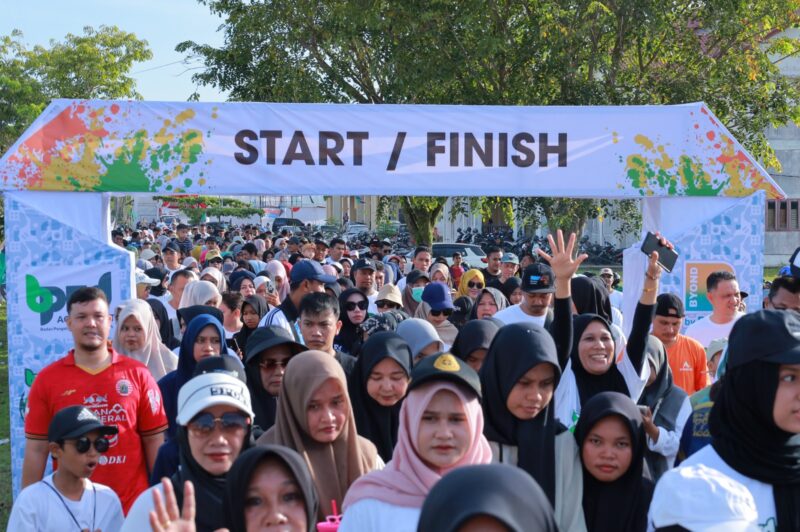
<point x="783" y="215"/>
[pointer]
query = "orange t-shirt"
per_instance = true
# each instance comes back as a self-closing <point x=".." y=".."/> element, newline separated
<point x="123" y="394"/>
<point x="687" y="360"/>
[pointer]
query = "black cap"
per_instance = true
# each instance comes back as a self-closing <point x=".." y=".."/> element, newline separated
<point x="75" y="421"/>
<point x="538" y="278"/>
<point x="294" y="240"/>
<point x="374" y="242"/>
<point x="415" y="275"/>
<point x="767" y="335"/>
<point x="669" y="305"/>
<point x="223" y="364"/>
<point x="445" y="367"/>
<point x="364" y="264"/>
<point x="171" y="246"/>
<point x="320" y="243"/>
<point x="268" y="337"/>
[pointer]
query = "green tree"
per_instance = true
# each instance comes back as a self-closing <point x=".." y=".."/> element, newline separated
<point x="513" y="52"/>
<point x="195" y="207"/>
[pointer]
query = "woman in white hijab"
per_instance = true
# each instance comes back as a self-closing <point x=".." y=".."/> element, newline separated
<point x="214" y="276"/>
<point x="200" y="293"/>
<point x="277" y="273"/>
<point x="137" y="337"/>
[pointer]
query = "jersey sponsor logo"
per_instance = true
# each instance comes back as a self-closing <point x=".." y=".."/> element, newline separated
<point x="154" y="398"/>
<point x="686" y="367"/>
<point x="95" y="399"/>
<point x="112" y="460"/>
<point x="124" y="387"/>
<point x="67" y="393"/>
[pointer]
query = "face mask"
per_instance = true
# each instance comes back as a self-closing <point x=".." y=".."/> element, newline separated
<point x="416" y="293"/>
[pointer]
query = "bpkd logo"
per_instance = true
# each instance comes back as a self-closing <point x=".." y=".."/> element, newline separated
<point x="47" y="300"/>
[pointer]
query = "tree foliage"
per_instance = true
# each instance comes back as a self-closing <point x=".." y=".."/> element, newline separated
<point x="195" y="207"/>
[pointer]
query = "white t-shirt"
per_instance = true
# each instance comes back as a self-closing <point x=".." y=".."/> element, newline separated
<point x="762" y="492"/>
<point x="38" y="508"/>
<point x="615" y="297"/>
<point x="138" y="517"/>
<point x="372" y="309"/>
<point x="515" y="314"/>
<point x="568" y="403"/>
<point x="704" y="330"/>
<point x="372" y="514"/>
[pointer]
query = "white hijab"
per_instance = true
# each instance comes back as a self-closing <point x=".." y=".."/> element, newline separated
<point x="155" y="355"/>
<point x="199" y="293"/>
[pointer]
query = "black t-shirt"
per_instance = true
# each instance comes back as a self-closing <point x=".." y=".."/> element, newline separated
<point x="490" y="279"/>
<point x="347" y="362"/>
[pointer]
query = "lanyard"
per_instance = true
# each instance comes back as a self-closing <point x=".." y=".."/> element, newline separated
<point x="60" y="498"/>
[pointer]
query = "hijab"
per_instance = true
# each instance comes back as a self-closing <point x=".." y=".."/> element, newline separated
<point x="622" y="505"/>
<point x="349" y="332"/>
<point x="409" y="303"/>
<point x="209" y="490"/>
<point x="446" y="331"/>
<point x="187" y="314"/>
<point x="463" y="308"/>
<point x="165" y="330"/>
<point x="744" y="434"/>
<point x="590" y="296"/>
<point x="334" y="466"/>
<point x="664" y="399"/>
<point x="199" y="293"/>
<point x="469" y="275"/>
<point x="475" y="334"/>
<point x="156" y="273"/>
<point x="153" y="354"/>
<point x="241" y="474"/>
<point x="375" y="422"/>
<point x="499" y="300"/>
<point x="497" y="490"/>
<point x="439" y="267"/>
<point x="419" y="334"/>
<point x="516" y="349"/>
<point x="257" y="303"/>
<point x="407" y="479"/>
<point x="238" y="277"/>
<point x="588" y="384"/>
<point x="276" y="271"/>
<point x="216" y="273"/>
<point x="186" y="361"/>
<point x="511" y="284"/>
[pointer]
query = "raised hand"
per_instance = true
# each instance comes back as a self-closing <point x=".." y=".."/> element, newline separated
<point x="165" y="516"/>
<point x="563" y="264"/>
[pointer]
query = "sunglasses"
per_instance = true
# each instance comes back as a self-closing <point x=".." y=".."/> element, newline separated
<point x="386" y="304"/>
<point x="203" y="424"/>
<point x="606" y="275"/>
<point x="474" y="285"/>
<point x="272" y="364"/>
<point x="351" y="305"/>
<point x="446" y="312"/>
<point x="82" y="445"/>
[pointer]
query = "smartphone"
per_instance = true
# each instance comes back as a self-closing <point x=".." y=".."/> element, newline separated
<point x="666" y="256"/>
<point x="233" y="344"/>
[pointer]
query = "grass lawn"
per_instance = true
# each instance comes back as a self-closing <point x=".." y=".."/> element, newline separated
<point x="5" y="448"/>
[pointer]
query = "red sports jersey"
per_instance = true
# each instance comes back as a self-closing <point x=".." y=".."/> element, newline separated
<point x="123" y="394"/>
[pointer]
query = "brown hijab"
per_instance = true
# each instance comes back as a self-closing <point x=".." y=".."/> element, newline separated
<point x="334" y="466"/>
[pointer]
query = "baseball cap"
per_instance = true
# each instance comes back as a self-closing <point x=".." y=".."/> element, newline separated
<point x="171" y="246"/>
<point x="437" y="296"/>
<point x="746" y="341"/>
<point x="697" y="497"/>
<point x="320" y="243"/>
<point x="606" y="271"/>
<point x="143" y="278"/>
<point x="364" y="264"/>
<point x="309" y="270"/>
<point x="268" y="337"/>
<point x="509" y="258"/>
<point x="213" y="255"/>
<point x="445" y="367"/>
<point x="211" y="389"/>
<point x="294" y="240"/>
<point x="147" y="254"/>
<point x="374" y="242"/>
<point x="669" y="305"/>
<point x="75" y="421"/>
<point x="390" y="292"/>
<point x="715" y="347"/>
<point x="794" y="263"/>
<point x="538" y="279"/>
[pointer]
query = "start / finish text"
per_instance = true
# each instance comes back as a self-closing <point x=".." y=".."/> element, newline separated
<point x="453" y="149"/>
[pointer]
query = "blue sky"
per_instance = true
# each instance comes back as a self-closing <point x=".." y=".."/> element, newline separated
<point x="163" y="23"/>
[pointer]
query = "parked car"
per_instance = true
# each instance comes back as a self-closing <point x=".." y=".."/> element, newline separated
<point x="471" y="254"/>
<point x="280" y="222"/>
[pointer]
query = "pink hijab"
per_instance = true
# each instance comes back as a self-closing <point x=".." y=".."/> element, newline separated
<point x="406" y="480"/>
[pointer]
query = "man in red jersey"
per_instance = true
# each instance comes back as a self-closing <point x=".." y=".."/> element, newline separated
<point x="118" y="389"/>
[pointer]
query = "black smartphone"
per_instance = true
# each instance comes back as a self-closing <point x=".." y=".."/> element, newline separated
<point x="666" y="256"/>
<point x="233" y="344"/>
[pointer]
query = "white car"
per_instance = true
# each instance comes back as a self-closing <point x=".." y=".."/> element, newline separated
<point x="470" y="253"/>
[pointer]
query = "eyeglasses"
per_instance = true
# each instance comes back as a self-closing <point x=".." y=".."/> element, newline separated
<point x="351" y="305"/>
<point x="386" y="304"/>
<point x="446" y="312"/>
<point x="203" y="424"/>
<point x="82" y="445"/>
<point x="474" y="285"/>
<point x="272" y="364"/>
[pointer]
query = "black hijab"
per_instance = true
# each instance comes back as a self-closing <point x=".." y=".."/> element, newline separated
<point x="237" y="278"/>
<point x="506" y="493"/>
<point x="590" y="296"/>
<point x="241" y="474"/>
<point x="259" y="304"/>
<point x="375" y="422"/>
<point x="744" y="434"/>
<point x="664" y="399"/>
<point x="187" y="314"/>
<point x="475" y="334"/>
<point x="156" y="273"/>
<point x="209" y="490"/>
<point x="463" y="308"/>
<point x="588" y="384"/>
<point x="622" y="505"/>
<point x="349" y="331"/>
<point x="516" y="349"/>
<point x="165" y="330"/>
<point x="511" y="284"/>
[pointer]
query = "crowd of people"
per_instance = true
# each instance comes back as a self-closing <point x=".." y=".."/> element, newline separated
<point x="257" y="382"/>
